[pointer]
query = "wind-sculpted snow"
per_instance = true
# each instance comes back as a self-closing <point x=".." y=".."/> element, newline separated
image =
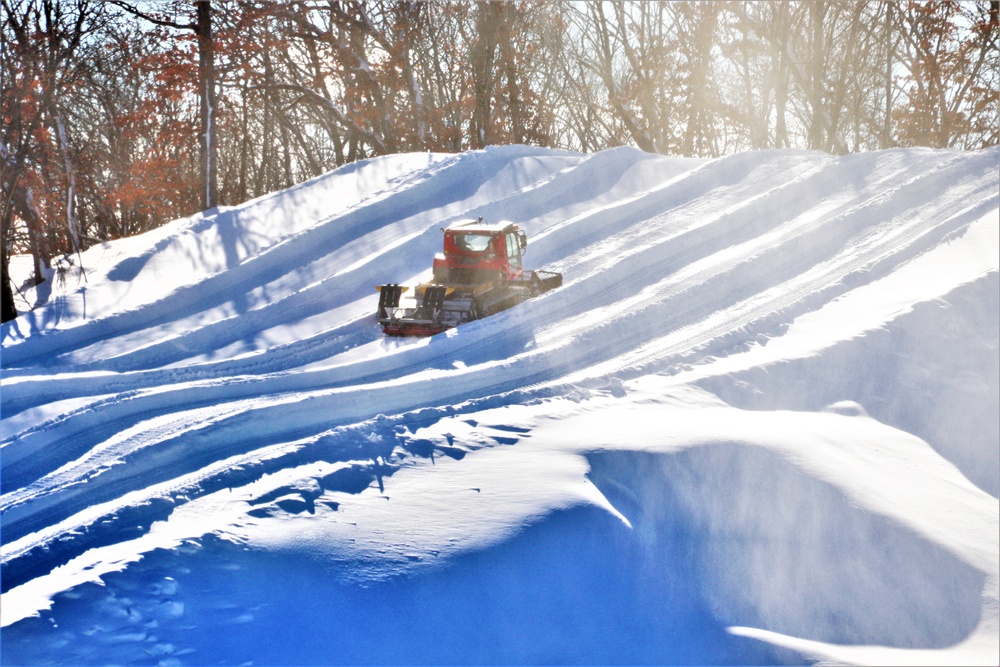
<point x="757" y="423"/>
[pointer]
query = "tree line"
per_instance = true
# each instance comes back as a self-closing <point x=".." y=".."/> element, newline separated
<point x="120" y="115"/>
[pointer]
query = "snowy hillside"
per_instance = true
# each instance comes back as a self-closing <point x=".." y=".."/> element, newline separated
<point x="757" y="424"/>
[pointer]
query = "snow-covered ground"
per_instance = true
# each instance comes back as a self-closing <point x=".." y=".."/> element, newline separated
<point x="757" y="424"/>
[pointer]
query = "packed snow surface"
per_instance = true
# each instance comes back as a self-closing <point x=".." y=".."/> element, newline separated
<point x="758" y="423"/>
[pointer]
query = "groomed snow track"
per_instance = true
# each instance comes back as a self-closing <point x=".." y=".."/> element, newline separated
<point x="232" y="347"/>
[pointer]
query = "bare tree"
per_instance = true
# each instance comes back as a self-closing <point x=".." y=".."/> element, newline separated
<point x="950" y="52"/>
<point x="41" y="40"/>
<point x="201" y="26"/>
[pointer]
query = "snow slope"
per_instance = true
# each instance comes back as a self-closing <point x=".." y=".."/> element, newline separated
<point x="757" y="424"/>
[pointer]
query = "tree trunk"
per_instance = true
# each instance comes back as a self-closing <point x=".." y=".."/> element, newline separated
<point x="696" y="137"/>
<point x="206" y="86"/>
<point x="781" y="98"/>
<point x="39" y="251"/>
<point x="262" y="182"/>
<point x="72" y="222"/>
<point x="242" y="186"/>
<point x="886" y="141"/>
<point x="817" y="130"/>
<point x="7" y="309"/>
<point x="487" y="23"/>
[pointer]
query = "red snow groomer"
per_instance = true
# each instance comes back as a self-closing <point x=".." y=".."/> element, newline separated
<point x="478" y="274"/>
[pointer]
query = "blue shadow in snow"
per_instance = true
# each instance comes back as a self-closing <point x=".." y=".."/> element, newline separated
<point x="568" y="590"/>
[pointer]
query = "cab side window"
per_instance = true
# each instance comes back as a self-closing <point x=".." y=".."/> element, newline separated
<point x="511" y="246"/>
<point x="513" y="249"/>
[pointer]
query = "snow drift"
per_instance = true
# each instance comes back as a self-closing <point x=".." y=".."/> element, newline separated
<point x="757" y="424"/>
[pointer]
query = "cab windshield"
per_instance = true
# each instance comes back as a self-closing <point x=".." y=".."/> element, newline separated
<point x="472" y="242"/>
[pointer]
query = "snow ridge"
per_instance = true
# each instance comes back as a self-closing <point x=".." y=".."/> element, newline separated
<point x="738" y="346"/>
